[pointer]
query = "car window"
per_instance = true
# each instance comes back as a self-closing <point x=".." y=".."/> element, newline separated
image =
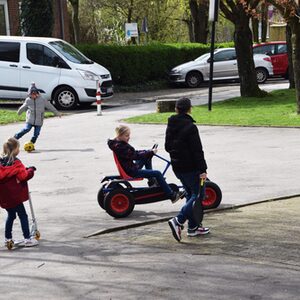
<point x="70" y="52"/>
<point x="10" y="51"/>
<point x="264" y="49"/>
<point x="41" y="55"/>
<point x="225" y="55"/>
<point x="282" y="49"/>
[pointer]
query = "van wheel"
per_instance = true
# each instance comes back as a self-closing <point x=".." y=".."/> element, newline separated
<point x="65" y="98"/>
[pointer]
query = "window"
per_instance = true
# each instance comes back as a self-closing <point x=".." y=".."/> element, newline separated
<point x="225" y="55"/>
<point x="4" y="25"/>
<point x="41" y="55"/>
<point x="70" y="52"/>
<point x="9" y="51"/>
<point x="264" y="49"/>
<point x="282" y="49"/>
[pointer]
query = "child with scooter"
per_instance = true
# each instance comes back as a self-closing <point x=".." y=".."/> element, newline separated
<point x="133" y="161"/>
<point x="14" y="191"/>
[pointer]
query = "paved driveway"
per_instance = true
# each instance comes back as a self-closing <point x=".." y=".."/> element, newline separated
<point x="249" y="164"/>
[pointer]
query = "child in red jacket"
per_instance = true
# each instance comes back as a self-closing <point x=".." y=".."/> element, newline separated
<point x="14" y="190"/>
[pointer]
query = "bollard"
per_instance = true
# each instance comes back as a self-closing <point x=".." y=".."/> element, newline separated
<point x="98" y="100"/>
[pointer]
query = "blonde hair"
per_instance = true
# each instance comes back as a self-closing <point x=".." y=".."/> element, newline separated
<point x="9" y="149"/>
<point x="122" y="129"/>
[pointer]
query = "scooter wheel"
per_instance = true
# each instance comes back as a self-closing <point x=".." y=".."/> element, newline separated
<point x="10" y="245"/>
<point x="37" y="235"/>
<point x="213" y="195"/>
<point x="119" y="203"/>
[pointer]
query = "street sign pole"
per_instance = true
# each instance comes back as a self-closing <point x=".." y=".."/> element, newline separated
<point x="213" y="17"/>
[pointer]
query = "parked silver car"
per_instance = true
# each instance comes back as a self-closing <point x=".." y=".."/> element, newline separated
<point x="194" y="72"/>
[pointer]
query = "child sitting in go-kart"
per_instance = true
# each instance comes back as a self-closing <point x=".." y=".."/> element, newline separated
<point x="133" y="161"/>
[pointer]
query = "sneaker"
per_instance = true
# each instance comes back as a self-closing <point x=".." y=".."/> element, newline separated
<point x="152" y="182"/>
<point x="176" y="196"/>
<point x="199" y="231"/>
<point x="176" y="228"/>
<point x="31" y="242"/>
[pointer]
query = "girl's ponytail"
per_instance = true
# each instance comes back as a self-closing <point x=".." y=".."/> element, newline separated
<point x="9" y="148"/>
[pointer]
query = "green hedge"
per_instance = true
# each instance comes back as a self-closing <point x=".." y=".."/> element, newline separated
<point x="134" y="64"/>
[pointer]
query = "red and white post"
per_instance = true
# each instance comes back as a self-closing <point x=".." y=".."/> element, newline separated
<point x="98" y="99"/>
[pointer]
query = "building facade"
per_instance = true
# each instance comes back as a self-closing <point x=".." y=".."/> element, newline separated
<point x="10" y="21"/>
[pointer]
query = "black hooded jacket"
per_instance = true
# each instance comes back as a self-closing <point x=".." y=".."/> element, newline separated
<point x="184" y="145"/>
<point x="127" y="155"/>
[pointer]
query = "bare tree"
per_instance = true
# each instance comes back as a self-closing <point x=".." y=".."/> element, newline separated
<point x="239" y="13"/>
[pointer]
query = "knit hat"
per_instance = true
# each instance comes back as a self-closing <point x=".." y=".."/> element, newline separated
<point x="183" y="104"/>
<point x="32" y="89"/>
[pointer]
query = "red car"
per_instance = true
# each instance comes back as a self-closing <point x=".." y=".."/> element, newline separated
<point x="278" y="54"/>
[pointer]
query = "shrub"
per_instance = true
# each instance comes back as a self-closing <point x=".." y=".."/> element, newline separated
<point x="134" y="64"/>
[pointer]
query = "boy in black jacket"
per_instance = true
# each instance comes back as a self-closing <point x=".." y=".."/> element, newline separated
<point x="187" y="158"/>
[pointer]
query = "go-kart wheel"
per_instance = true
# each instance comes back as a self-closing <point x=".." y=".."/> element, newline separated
<point x="119" y="203"/>
<point x="101" y="194"/>
<point x="213" y="195"/>
<point x="37" y="235"/>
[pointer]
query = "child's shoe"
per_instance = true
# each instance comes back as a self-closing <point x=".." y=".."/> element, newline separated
<point x="176" y="228"/>
<point x="199" y="231"/>
<point x="176" y="196"/>
<point x="31" y="242"/>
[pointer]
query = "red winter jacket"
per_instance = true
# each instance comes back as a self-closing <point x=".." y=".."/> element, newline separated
<point x="13" y="184"/>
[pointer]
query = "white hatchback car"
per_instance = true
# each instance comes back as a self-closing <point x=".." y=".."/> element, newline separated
<point x="194" y="72"/>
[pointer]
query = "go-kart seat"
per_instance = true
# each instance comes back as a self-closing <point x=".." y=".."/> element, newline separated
<point x="122" y="173"/>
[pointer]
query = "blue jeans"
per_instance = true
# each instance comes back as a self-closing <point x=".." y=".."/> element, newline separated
<point x="149" y="173"/>
<point x="11" y="216"/>
<point x="27" y="128"/>
<point x="191" y="184"/>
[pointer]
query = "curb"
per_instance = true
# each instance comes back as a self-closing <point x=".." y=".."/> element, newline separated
<point x="160" y="220"/>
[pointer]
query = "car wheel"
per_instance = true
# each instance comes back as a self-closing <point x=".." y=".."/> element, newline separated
<point x="65" y="98"/>
<point x="261" y="75"/>
<point x="193" y="79"/>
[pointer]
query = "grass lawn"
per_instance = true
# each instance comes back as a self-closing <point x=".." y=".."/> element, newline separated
<point x="277" y="109"/>
<point x="9" y="116"/>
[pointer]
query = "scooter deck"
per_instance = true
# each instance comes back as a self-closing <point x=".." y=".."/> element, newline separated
<point x="16" y="244"/>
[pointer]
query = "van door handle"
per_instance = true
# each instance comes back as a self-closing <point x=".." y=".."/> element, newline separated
<point x="14" y="66"/>
<point x="26" y="67"/>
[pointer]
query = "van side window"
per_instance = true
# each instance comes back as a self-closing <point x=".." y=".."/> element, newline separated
<point x="9" y="51"/>
<point x="41" y="55"/>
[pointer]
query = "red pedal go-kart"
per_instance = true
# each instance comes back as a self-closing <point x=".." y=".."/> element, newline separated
<point x="118" y="197"/>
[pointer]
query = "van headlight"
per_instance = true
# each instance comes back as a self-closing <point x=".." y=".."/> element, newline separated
<point x="87" y="75"/>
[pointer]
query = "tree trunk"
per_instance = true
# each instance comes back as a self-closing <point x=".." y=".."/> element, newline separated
<point x="199" y="13"/>
<point x="254" y="22"/>
<point x="290" y="56"/>
<point x="295" y="27"/>
<point x="75" y="19"/>
<point x="264" y="22"/>
<point x="244" y="52"/>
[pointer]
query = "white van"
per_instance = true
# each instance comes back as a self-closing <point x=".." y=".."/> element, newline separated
<point x="61" y="72"/>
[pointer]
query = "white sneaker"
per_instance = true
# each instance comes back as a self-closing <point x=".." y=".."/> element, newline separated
<point x="31" y="242"/>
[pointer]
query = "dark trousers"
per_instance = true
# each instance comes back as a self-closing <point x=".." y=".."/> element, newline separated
<point x="11" y="216"/>
<point x="27" y="128"/>
<point x="191" y="184"/>
<point x="149" y="173"/>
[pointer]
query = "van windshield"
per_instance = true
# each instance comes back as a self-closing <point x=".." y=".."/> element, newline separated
<point x="70" y="52"/>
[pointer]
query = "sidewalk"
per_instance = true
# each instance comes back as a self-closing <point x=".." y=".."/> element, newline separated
<point x="249" y="254"/>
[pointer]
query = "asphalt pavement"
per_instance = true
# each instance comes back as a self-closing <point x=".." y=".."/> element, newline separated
<point x="251" y="253"/>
